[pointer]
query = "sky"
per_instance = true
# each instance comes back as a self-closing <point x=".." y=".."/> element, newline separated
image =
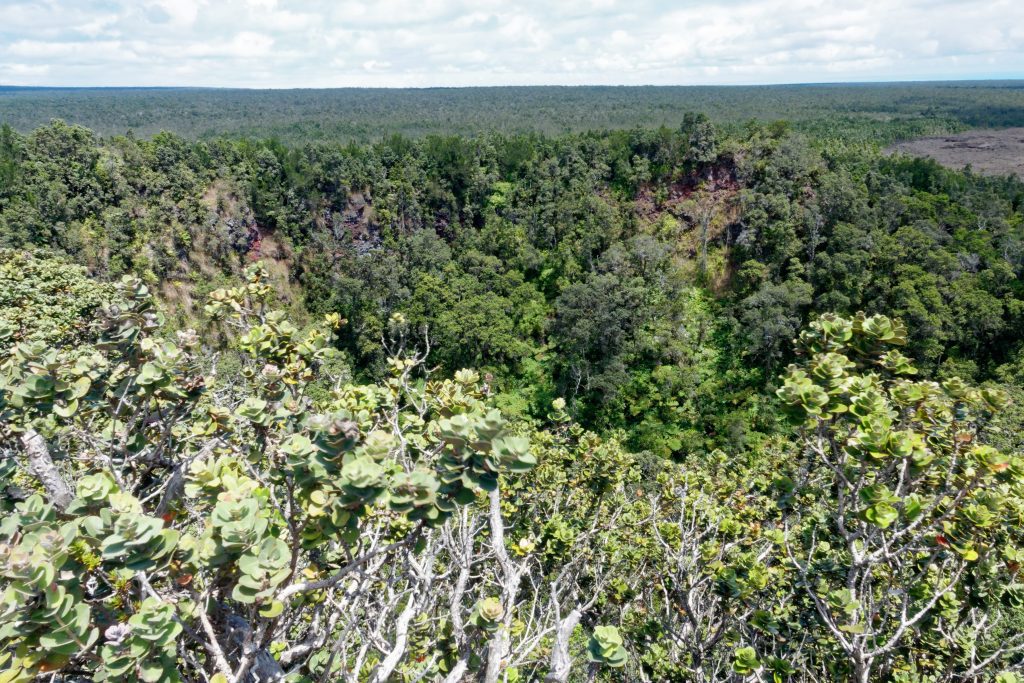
<point x="401" y="43"/>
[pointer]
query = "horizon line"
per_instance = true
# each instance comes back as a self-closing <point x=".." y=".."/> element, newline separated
<point x="781" y="84"/>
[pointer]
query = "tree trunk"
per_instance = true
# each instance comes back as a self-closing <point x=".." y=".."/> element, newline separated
<point x="499" y="646"/>
<point x="861" y="669"/>
<point x="560" y="663"/>
<point x="458" y="671"/>
<point x="264" y="668"/>
<point x="41" y="466"/>
<point x="391" y="662"/>
<point x="496" y="655"/>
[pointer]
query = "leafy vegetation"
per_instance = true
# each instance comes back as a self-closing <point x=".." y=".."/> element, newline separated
<point x="705" y="402"/>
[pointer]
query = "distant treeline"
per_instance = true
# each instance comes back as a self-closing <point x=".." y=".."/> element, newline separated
<point x="871" y="112"/>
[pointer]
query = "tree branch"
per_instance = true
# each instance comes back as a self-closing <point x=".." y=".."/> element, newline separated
<point x="41" y="466"/>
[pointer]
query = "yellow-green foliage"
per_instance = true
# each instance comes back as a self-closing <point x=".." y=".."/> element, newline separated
<point x="45" y="299"/>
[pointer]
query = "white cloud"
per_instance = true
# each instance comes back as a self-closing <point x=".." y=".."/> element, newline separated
<point x="101" y="25"/>
<point x="17" y="70"/>
<point x="181" y="12"/>
<point x="374" y="65"/>
<point x="320" y="43"/>
<point x="243" y="45"/>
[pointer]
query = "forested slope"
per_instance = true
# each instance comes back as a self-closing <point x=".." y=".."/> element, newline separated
<point x="654" y="278"/>
<point x="673" y="500"/>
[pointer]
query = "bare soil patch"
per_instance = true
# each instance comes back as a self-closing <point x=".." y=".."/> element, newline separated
<point x="991" y="152"/>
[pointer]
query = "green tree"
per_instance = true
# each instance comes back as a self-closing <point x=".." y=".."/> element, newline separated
<point x="904" y="525"/>
<point x="175" y="528"/>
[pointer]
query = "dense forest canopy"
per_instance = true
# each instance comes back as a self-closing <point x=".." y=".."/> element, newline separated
<point x="565" y="393"/>
<point x="879" y="111"/>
